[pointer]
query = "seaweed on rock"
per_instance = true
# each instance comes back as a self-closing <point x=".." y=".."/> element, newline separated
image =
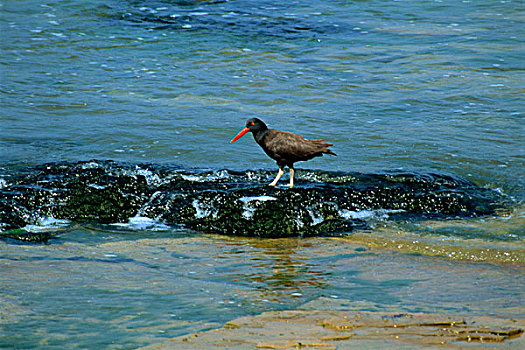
<point x="234" y="203"/>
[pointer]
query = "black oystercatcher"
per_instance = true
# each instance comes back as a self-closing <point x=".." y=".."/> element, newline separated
<point x="285" y="147"/>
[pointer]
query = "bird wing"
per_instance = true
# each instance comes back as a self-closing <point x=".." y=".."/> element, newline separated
<point x="294" y="147"/>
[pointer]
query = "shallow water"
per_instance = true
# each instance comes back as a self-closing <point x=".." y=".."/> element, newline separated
<point x="430" y="87"/>
<point x="127" y="289"/>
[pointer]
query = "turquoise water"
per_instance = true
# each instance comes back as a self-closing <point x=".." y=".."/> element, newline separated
<point x="431" y="86"/>
<point x="95" y="289"/>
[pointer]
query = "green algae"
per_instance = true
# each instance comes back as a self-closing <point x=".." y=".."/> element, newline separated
<point x="236" y="203"/>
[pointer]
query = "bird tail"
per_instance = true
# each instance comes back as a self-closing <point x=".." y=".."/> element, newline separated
<point x="325" y="146"/>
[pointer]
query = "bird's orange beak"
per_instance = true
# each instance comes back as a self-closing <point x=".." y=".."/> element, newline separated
<point x="240" y="134"/>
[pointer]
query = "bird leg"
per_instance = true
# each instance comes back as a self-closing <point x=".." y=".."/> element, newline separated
<point x="279" y="174"/>
<point x="292" y="171"/>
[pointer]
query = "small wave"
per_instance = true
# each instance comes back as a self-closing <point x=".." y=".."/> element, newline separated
<point x="219" y="175"/>
<point x="141" y="223"/>
<point x="257" y="198"/>
<point x="369" y="214"/>
<point x="46" y="224"/>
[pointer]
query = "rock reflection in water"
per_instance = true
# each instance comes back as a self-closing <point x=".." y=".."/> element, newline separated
<point x="280" y="271"/>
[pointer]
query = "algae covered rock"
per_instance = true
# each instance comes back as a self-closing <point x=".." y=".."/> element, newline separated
<point x="234" y="203"/>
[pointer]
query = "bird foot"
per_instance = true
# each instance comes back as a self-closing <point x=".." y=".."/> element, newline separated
<point x="275" y="185"/>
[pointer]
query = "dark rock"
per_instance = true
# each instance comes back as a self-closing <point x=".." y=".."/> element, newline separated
<point x="235" y="203"/>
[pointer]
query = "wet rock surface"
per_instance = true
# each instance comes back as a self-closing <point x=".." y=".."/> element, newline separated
<point x="318" y="329"/>
<point x="233" y="203"/>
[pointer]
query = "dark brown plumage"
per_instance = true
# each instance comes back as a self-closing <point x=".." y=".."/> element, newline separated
<point x="285" y="147"/>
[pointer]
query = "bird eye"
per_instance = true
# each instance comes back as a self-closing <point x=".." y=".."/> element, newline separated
<point x="252" y="123"/>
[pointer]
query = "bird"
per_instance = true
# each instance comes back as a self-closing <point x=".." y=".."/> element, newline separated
<point x="284" y="147"/>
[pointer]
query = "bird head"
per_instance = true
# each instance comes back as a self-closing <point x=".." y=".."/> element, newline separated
<point x="252" y="125"/>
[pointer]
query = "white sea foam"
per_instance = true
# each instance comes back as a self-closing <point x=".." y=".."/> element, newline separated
<point x="258" y="198"/>
<point x="221" y="174"/>
<point x="95" y="186"/>
<point x="46" y="224"/>
<point x="248" y="208"/>
<point x="204" y="209"/>
<point x="142" y="223"/>
<point x="151" y="178"/>
<point x="193" y="178"/>
<point x="316" y="218"/>
<point x="91" y="165"/>
<point x="368" y="214"/>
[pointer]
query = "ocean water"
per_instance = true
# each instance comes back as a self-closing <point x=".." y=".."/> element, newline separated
<point x="433" y="87"/>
